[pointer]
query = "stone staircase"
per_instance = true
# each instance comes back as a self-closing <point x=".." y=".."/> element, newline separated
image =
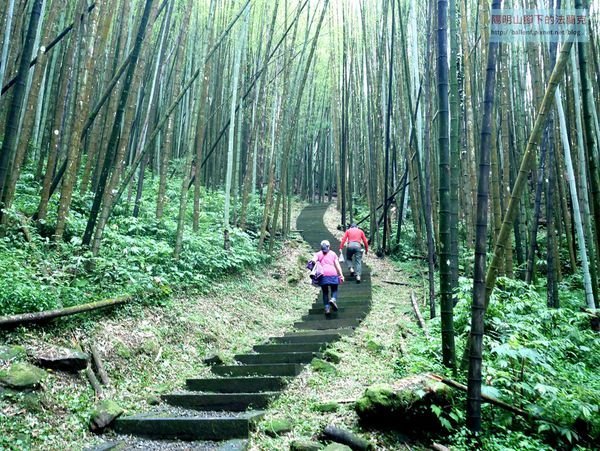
<point x="227" y="407"/>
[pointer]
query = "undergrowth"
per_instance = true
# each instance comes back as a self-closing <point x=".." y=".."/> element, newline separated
<point x="135" y="257"/>
<point x="535" y="358"/>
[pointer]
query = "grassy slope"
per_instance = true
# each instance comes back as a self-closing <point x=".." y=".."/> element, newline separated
<point x="151" y="350"/>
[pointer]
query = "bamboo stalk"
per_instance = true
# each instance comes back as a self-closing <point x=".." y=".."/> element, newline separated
<point x="486" y="398"/>
<point x="420" y="319"/>
<point x="93" y="381"/>
<point x="24" y="318"/>
<point x="528" y="158"/>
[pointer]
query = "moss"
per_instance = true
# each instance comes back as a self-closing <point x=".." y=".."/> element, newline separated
<point x="326" y="407"/>
<point x="374" y="347"/>
<point x="149" y="347"/>
<point x="337" y="447"/>
<point x="277" y="427"/>
<point x="322" y="366"/>
<point x="104" y="414"/>
<point x="12" y="353"/>
<point x="377" y="398"/>
<point x="332" y="356"/>
<point x="305" y="445"/>
<point x="407" y="408"/>
<point x="122" y="350"/>
<point x="22" y="376"/>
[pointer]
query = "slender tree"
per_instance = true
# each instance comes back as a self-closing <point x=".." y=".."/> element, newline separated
<point x="446" y="305"/>
<point x="478" y="306"/>
<point x="116" y="129"/>
<point x="9" y="142"/>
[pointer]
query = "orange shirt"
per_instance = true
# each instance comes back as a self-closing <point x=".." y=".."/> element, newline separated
<point x="355" y="234"/>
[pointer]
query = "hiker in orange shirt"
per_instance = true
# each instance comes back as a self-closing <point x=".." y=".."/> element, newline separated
<point x="354" y="236"/>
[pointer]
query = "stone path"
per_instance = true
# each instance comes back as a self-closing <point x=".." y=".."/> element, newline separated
<point x="219" y="413"/>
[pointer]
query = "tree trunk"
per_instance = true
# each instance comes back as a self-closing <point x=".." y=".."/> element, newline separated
<point x="9" y="142"/>
<point x="528" y="158"/>
<point x="446" y="305"/>
<point x="116" y="128"/>
<point x="478" y="307"/>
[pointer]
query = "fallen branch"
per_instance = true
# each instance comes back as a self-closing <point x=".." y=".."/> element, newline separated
<point x="93" y="381"/>
<point x="99" y="365"/>
<point x="24" y="318"/>
<point x="347" y="438"/>
<point x="418" y="314"/>
<point x="392" y="282"/>
<point x="486" y="398"/>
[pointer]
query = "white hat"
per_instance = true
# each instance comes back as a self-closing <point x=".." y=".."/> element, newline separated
<point x="325" y="243"/>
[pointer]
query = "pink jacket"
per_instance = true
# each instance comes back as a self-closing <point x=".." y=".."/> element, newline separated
<point x="327" y="262"/>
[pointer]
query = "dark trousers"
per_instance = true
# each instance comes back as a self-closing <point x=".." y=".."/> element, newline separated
<point x="325" y="289"/>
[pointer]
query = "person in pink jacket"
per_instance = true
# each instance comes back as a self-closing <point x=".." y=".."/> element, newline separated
<point x="354" y="237"/>
<point x="332" y="275"/>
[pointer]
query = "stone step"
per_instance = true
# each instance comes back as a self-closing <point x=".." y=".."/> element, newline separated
<point x="344" y="301"/>
<point x="304" y="339"/>
<point x="321" y="307"/>
<point x="231" y="402"/>
<point x="288" y="357"/>
<point x="308" y="333"/>
<point x="327" y="324"/>
<point x="290" y="347"/>
<point x="350" y="310"/>
<point x="193" y="427"/>
<point x="334" y="315"/>
<point x="271" y="369"/>
<point x="238" y="384"/>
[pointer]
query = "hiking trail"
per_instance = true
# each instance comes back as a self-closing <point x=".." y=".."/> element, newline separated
<point x="218" y="413"/>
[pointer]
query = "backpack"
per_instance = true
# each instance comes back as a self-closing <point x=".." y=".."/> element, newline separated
<point x="316" y="271"/>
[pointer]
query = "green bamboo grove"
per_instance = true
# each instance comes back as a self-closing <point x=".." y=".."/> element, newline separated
<point x="481" y="157"/>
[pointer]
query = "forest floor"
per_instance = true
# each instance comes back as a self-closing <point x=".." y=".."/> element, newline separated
<point x="150" y="350"/>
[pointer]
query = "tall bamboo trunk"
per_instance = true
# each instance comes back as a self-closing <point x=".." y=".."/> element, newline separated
<point x="527" y="160"/>
<point x="478" y="306"/>
<point x="9" y="142"/>
<point x="116" y="129"/>
<point x="446" y="305"/>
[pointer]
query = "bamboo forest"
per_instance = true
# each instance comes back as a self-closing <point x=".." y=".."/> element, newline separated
<point x="299" y="225"/>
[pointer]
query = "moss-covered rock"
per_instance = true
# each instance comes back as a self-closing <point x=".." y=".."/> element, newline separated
<point x="406" y="406"/>
<point x="278" y="426"/>
<point x="322" y="366"/>
<point x="104" y="414"/>
<point x="8" y="353"/>
<point x="326" y="407"/>
<point x="305" y="445"/>
<point x="332" y="356"/>
<point x="22" y="376"/>
<point x="337" y="447"/>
